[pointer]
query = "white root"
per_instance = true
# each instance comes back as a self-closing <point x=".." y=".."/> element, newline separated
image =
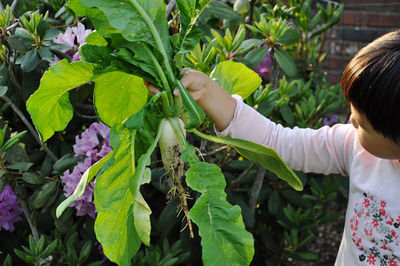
<point x="171" y="151"/>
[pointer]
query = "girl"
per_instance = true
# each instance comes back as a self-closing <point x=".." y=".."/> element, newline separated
<point x="367" y="150"/>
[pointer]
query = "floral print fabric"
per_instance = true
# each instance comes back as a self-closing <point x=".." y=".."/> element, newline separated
<point x="376" y="232"/>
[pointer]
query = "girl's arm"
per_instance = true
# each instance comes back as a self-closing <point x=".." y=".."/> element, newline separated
<point x="326" y="150"/>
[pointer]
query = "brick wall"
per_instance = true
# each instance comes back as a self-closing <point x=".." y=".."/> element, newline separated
<point x="361" y="22"/>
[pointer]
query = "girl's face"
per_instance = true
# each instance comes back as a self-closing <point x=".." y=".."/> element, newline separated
<point x="372" y="141"/>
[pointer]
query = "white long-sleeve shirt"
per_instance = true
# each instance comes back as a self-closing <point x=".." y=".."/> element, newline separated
<point x="372" y="227"/>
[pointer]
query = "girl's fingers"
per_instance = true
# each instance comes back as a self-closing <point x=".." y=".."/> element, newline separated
<point x="152" y="89"/>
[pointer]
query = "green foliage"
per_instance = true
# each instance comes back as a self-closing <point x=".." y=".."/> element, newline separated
<point x="262" y="155"/>
<point x="224" y="238"/>
<point x="116" y="212"/>
<point x="52" y="100"/>
<point x="236" y="84"/>
<point x="132" y="43"/>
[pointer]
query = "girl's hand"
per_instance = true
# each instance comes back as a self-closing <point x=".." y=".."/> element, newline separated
<point x="152" y="89"/>
<point x="216" y="102"/>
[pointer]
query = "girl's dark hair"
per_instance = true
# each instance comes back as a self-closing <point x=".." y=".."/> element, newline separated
<point x="371" y="83"/>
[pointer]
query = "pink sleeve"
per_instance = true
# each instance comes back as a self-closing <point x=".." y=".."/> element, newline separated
<point x="327" y="150"/>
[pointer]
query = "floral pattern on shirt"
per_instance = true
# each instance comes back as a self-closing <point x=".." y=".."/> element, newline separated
<point x="375" y="232"/>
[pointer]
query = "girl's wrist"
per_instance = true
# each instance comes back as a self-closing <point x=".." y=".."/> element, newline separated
<point x="218" y="105"/>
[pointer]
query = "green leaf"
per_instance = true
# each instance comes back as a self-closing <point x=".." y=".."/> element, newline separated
<point x="190" y="35"/>
<point x="51" y="34"/>
<point x="307" y="255"/>
<point x="143" y="175"/>
<point x="44" y="194"/>
<point x="289" y="37"/>
<point x="30" y="60"/>
<point x="95" y="38"/>
<point x="33" y="179"/>
<point x="87" y="176"/>
<point x="13" y="140"/>
<point x="236" y="78"/>
<point x="46" y="54"/>
<point x="114" y="224"/>
<point x="100" y="55"/>
<point x="49" y="106"/>
<point x="137" y="55"/>
<point x="224" y="238"/>
<point x="3" y="90"/>
<point x="129" y="17"/>
<point x="21" y="166"/>
<point x="118" y="96"/>
<point x="140" y="21"/>
<point x="256" y="56"/>
<point x="286" y="62"/>
<point x="195" y="112"/>
<point x="287" y="114"/>
<point x="97" y="17"/>
<point x="264" y="156"/>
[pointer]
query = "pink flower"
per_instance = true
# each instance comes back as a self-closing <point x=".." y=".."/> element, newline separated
<point x="264" y="68"/>
<point x="383" y="204"/>
<point x="94" y="144"/>
<point x="73" y="37"/>
<point x="9" y="209"/>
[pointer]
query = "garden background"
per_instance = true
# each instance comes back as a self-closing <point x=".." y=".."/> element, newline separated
<point x="297" y="48"/>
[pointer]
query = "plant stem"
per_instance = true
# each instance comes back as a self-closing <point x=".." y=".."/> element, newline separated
<point x="275" y="71"/>
<point x="170" y="7"/>
<point x="321" y="48"/>
<point x="250" y="17"/>
<point x="157" y="39"/>
<point x="236" y="182"/>
<point x="179" y="132"/>
<point x="13" y="5"/>
<point x="160" y="72"/>
<point x="30" y="127"/>
<point x="166" y="104"/>
<point x="256" y="188"/>
<point x="28" y="218"/>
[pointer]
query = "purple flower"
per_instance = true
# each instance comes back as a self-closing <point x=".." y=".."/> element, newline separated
<point x="73" y="37"/>
<point x="94" y="144"/>
<point x="334" y="119"/>
<point x="264" y="68"/>
<point x="9" y="209"/>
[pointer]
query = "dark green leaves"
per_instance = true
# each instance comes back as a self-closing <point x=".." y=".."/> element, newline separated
<point x="30" y="60"/>
<point x="190" y="35"/>
<point x="225" y="240"/>
<point x="131" y="18"/>
<point x="286" y="62"/>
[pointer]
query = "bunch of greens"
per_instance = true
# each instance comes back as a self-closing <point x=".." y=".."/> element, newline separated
<point x="132" y="44"/>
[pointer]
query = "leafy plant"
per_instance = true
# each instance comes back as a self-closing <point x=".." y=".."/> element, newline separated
<point x="132" y="43"/>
